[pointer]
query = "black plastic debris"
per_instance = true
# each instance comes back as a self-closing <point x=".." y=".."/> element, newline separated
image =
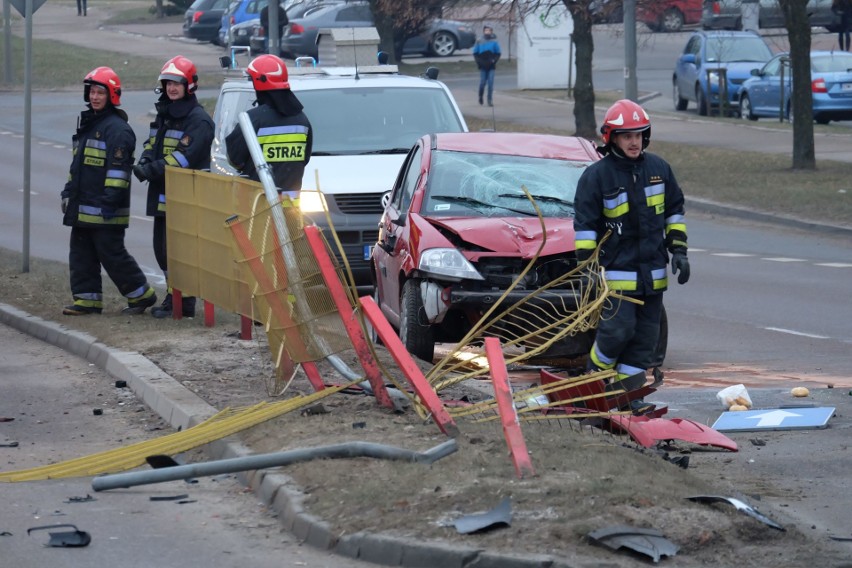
<point x="740" y="506"/>
<point x="315" y="410"/>
<point x="160" y="461"/>
<point x="498" y="517"/>
<point x="65" y="539"/>
<point x="841" y="538"/>
<point x="649" y="542"/>
<point x="186" y="501"/>
<point x="5" y="533"/>
<point x="168" y="497"/>
<point x="85" y="499"/>
<point x="8" y="444"/>
<point x="121" y="384"/>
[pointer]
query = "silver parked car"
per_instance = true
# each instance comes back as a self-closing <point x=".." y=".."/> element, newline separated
<point x="727" y="15"/>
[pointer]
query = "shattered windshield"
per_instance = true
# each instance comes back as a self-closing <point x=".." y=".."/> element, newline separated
<point x="490" y="185"/>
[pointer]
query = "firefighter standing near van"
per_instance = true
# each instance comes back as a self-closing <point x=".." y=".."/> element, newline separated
<point x="96" y="201"/>
<point x="283" y="131"/>
<point x="634" y="196"/>
<point x="180" y="136"/>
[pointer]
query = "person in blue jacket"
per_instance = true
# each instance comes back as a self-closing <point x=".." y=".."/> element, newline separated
<point x="486" y="53"/>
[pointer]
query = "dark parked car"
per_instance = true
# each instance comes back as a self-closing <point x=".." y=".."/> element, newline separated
<point x="203" y="18"/>
<point x="708" y="53"/>
<point x="727" y="15"/>
<point x="458" y="231"/>
<point x="831" y="88"/>
<point x="442" y="38"/>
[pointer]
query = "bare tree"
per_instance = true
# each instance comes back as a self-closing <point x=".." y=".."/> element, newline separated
<point x="398" y="20"/>
<point x="799" y="34"/>
<point x="584" y="47"/>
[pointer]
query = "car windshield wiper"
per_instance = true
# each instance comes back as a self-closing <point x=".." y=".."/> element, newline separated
<point x="545" y="198"/>
<point x="387" y="151"/>
<point x="477" y="204"/>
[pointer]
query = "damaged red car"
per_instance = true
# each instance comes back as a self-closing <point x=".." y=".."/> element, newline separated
<point x="458" y="230"/>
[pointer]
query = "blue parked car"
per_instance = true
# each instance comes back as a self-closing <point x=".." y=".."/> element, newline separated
<point x="735" y="52"/>
<point x="238" y="11"/>
<point x="831" y="88"/>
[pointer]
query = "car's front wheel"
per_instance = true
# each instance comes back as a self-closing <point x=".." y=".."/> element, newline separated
<point x="703" y="105"/>
<point x="414" y="331"/>
<point x="443" y="44"/>
<point x="745" y="108"/>
<point x="680" y="103"/>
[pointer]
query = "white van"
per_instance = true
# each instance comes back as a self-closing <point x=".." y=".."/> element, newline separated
<point x="364" y="122"/>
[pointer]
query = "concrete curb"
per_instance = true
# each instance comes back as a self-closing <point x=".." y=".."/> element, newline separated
<point x="182" y="409"/>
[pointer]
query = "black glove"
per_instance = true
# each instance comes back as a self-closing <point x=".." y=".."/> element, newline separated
<point x="108" y="213"/>
<point x="64" y="205"/>
<point x="142" y="171"/>
<point x="144" y="160"/>
<point x="680" y="263"/>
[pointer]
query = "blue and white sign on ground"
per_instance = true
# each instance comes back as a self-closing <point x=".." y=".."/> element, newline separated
<point x="774" y="419"/>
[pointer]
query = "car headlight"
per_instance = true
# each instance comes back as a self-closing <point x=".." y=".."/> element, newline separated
<point x="447" y="262"/>
<point x="311" y="201"/>
<point x="713" y="78"/>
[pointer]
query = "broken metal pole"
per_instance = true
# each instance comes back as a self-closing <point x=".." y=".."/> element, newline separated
<point x="278" y="459"/>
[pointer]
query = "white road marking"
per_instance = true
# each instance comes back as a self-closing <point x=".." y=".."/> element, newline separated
<point x="834" y="264"/>
<point x="794" y="332"/>
<point x="784" y="259"/>
<point x="732" y="254"/>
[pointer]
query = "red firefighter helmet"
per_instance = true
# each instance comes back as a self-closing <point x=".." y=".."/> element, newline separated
<point x="181" y="70"/>
<point x="268" y="73"/>
<point x="106" y="78"/>
<point x="626" y="116"/>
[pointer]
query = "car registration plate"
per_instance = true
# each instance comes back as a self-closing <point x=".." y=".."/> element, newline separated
<point x="367" y="250"/>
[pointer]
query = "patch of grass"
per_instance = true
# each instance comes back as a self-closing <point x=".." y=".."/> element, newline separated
<point x="55" y="66"/>
<point x="753" y="180"/>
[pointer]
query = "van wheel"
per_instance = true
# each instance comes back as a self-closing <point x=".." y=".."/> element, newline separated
<point x="671" y="21"/>
<point x="414" y="331"/>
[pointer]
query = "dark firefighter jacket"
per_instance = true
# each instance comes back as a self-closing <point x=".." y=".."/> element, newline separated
<point x="99" y="178"/>
<point x="180" y="136"/>
<point x="285" y="141"/>
<point x="641" y="204"/>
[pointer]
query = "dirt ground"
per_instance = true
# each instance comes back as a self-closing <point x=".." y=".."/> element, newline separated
<point x="585" y="479"/>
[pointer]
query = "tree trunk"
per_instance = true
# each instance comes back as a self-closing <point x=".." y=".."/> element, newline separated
<point x="584" y="90"/>
<point x="799" y="33"/>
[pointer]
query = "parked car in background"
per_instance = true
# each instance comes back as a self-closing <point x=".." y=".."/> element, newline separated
<point x="203" y="18"/>
<point x="727" y="15"/>
<point x="458" y="231"/>
<point x="238" y="11"/>
<point x="257" y="40"/>
<point x="669" y="15"/>
<point x="241" y="34"/>
<point x="706" y="55"/>
<point x="442" y="38"/>
<point x="765" y="95"/>
<point x="364" y="125"/>
<point x="606" y="11"/>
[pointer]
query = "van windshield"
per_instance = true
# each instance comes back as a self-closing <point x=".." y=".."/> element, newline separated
<point x="376" y="119"/>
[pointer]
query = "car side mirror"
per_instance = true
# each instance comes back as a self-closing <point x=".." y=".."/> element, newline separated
<point x="400" y="221"/>
<point x="755" y="72"/>
<point x="688" y="58"/>
<point x="225" y="62"/>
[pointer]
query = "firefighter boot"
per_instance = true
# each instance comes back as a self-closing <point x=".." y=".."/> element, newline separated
<point x="134" y="308"/>
<point x="164" y="310"/>
<point x="78" y="310"/>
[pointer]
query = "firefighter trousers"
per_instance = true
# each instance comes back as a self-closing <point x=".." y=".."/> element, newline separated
<point x="92" y="248"/>
<point x="627" y="335"/>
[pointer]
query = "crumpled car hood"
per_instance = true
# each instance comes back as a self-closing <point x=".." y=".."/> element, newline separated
<point x="516" y="236"/>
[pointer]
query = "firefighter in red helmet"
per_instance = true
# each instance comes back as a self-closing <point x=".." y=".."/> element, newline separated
<point x="282" y="129"/>
<point x="633" y="196"/>
<point x="96" y="201"/>
<point x="180" y="136"/>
